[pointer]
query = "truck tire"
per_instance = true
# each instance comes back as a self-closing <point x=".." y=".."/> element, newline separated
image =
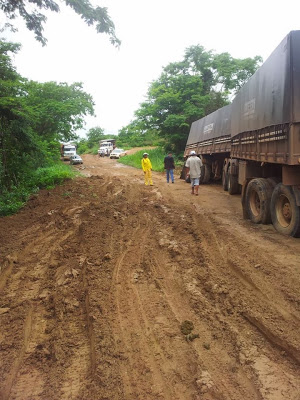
<point x="258" y="200"/>
<point x="233" y="184"/>
<point x="225" y="180"/>
<point x="205" y="173"/>
<point x="284" y="211"/>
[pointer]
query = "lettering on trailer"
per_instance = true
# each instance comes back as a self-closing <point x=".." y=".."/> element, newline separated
<point x="249" y="109"/>
<point x="208" y="129"/>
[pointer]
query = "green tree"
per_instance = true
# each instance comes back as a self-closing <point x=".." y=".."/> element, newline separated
<point x="16" y="137"/>
<point x="34" y="117"/>
<point x="135" y="135"/>
<point x="188" y="90"/>
<point x="94" y="135"/>
<point x="57" y="110"/>
<point x="29" y="10"/>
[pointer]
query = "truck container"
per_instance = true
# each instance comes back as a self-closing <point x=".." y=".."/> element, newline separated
<point x="253" y="144"/>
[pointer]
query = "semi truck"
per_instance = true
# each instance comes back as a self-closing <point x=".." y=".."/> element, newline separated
<point x="253" y="144"/>
<point x="67" y="150"/>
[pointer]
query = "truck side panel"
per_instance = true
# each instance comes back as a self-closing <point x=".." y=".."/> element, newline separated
<point x="271" y="97"/>
<point x="214" y="125"/>
<point x="295" y="60"/>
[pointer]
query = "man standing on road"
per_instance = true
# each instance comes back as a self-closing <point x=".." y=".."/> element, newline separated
<point x="169" y="167"/>
<point x="194" y="165"/>
<point x="147" y="168"/>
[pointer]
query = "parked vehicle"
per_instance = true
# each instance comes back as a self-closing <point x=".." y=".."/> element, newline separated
<point x="117" y="153"/>
<point x="106" y="147"/>
<point x="76" y="160"/>
<point x="253" y="144"/>
<point x="67" y="150"/>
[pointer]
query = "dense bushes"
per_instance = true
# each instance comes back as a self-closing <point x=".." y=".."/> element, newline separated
<point x="34" y="118"/>
<point x="13" y="199"/>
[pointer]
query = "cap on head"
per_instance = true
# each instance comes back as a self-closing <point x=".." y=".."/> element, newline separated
<point x="192" y="153"/>
<point x="145" y="154"/>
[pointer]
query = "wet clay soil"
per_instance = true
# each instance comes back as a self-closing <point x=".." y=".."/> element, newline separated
<point x="99" y="276"/>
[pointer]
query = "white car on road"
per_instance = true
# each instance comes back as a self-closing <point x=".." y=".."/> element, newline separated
<point x="117" y="153"/>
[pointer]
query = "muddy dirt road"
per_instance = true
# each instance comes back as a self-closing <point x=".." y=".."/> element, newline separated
<point x="99" y="276"/>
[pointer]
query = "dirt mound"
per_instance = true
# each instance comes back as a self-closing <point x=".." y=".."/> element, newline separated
<point x="99" y="275"/>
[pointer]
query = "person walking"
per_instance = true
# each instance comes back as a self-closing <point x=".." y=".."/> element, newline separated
<point x="194" y="165"/>
<point x="169" y="167"/>
<point x="147" y="168"/>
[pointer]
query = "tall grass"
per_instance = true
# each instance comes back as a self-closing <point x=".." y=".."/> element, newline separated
<point x="15" y="198"/>
<point x="156" y="157"/>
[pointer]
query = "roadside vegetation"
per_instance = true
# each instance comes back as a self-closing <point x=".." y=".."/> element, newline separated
<point x="11" y="200"/>
<point x="34" y="118"/>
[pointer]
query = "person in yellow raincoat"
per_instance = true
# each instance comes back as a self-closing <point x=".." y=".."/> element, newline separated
<point x="147" y="168"/>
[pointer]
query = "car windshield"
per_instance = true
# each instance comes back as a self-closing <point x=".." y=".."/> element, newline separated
<point x="118" y="150"/>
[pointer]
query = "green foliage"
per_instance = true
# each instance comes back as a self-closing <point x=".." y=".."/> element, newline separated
<point x="34" y="117"/>
<point x="156" y="157"/>
<point x="30" y="12"/>
<point x="15" y="198"/>
<point x="82" y="147"/>
<point x="51" y="176"/>
<point x="133" y="135"/>
<point x="56" y="111"/>
<point x="94" y="135"/>
<point x="186" y="91"/>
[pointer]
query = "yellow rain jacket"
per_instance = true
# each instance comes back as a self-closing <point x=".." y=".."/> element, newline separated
<point x="146" y="164"/>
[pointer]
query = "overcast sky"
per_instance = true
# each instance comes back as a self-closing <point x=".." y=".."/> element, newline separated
<point x="153" y="34"/>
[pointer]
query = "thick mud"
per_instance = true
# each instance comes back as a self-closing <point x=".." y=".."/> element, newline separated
<point x="100" y="275"/>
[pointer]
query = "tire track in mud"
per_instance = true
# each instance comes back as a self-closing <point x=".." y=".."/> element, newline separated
<point x="262" y="302"/>
<point x="213" y="246"/>
<point x="30" y="280"/>
<point x="130" y="320"/>
<point x="145" y="370"/>
<point x="174" y="283"/>
<point x="174" y="309"/>
<point x="7" y="386"/>
<point x="148" y="364"/>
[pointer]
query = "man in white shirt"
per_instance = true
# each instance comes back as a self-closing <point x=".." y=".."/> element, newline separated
<point x="194" y="165"/>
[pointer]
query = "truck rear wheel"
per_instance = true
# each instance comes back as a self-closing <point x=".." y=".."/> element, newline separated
<point x="258" y="200"/>
<point x="205" y="173"/>
<point x="233" y="184"/>
<point x="225" y="180"/>
<point x="284" y="211"/>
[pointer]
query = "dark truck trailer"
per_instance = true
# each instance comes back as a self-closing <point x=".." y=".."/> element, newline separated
<point x="210" y="137"/>
<point x="264" y="154"/>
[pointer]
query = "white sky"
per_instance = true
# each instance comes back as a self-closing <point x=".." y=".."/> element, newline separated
<point x="153" y="34"/>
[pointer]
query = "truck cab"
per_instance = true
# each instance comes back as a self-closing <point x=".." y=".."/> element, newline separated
<point x="67" y="150"/>
<point x="106" y="147"/>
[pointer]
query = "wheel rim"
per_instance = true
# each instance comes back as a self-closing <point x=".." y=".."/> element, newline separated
<point x="284" y="211"/>
<point x="255" y="203"/>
